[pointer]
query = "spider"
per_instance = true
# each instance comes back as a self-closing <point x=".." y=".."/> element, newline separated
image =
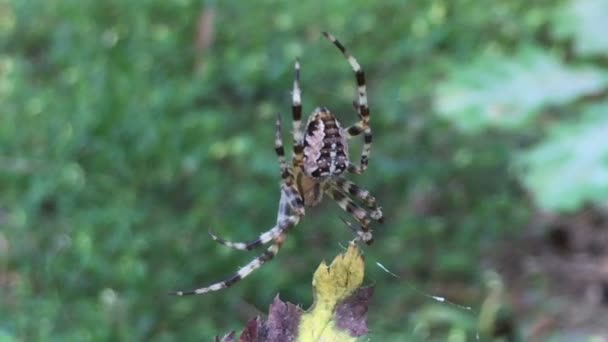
<point x="320" y="157"/>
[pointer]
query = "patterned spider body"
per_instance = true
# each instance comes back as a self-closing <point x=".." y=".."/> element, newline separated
<point x="325" y="155"/>
<point x="320" y="159"/>
<point x="325" y="146"/>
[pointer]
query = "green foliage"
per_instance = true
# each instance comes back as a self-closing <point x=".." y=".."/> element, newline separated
<point x="581" y="21"/>
<point x="457" y="326"/>
<point x="508" y="92"/>
<point x="570" y="167"/>
<point x="122" y="141"/>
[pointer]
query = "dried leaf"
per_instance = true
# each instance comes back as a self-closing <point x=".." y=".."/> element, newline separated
<point x="255" y="331"/>
<point x="351" y="314"/>
<point x="283" y="320"/>
<point x="339" y="313"/>
<point x="281" y="325"/>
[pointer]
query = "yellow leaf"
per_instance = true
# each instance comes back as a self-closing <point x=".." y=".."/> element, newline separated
<point x="332" y="285"/>
<point x="338" y="314"/>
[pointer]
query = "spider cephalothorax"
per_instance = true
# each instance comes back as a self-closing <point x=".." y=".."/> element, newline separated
<point x="320" y="157"/>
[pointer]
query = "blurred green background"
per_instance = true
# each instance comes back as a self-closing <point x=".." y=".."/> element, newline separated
<point x="128" y="128"/>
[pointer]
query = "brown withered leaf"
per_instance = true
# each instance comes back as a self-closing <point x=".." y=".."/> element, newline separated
<point x="280" y="326"/>
<point x="283" y="321"/>
<point x="351" y="314"/>
<point x="255" y="331"/>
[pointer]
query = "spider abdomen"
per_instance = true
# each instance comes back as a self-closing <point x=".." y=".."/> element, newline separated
<point x="325" y="146"/>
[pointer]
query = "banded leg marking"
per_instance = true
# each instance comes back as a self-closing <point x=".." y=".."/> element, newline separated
<point x="355" y="130"/>
<point x="263" y="239"/>
<point x="284" y="222"/>
<point x="296" y="110"/>
<point x="279" y="149"/>
<point x="362" y="194"/>
<point x="365" y="152"/>
<point x="365" y="236"/>
<point x="288" y="186"/>
<point x="348" y="205"/>
<point x="288" y="223"/>
<point x="362" y="108"/>
<point x="242" y="273"/>
<point x="361" y="215"/>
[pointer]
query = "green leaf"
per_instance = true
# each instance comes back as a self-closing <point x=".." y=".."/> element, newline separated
<point x="570" y="167"/>
<point x="508" y="92"/>
<point x="585" y="22"/>
<point x="5" y="337"/>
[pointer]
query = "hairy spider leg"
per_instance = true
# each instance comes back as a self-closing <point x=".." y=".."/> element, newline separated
<point x="365" y="236"/>
<point x="286" y="211"/>
<point x="289" y="197"/>
<point x="350" y="206"/>
<point x="362" y="108"/>
<point x="347" y="204"/>
<point x="362" y="194"/>
<point x="280" y="150"/>
<point x="288" y="185"/>
<point x="287" y="220"/>
<point x="296" y="110"/>
<point x="243" y="272"/>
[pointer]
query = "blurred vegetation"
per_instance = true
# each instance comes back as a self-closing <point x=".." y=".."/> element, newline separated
<point x="128" y="128"/>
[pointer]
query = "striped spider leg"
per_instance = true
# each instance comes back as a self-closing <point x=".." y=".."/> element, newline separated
<point x="319" y="158"/>
<point x="344" y="191"/>
<point x="277" y="235"/>
<point x="339" y="190"/>
<point x="362" y="109"/>
<point x="291" y="209"/>
<point x="340" y="187"/>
